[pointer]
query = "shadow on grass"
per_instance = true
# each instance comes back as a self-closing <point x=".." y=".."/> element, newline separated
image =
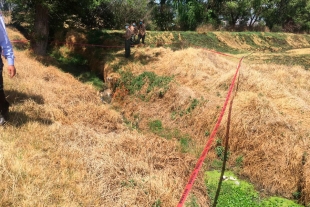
<point x="16" y="97"/>
<point x="20" y="45"/>
<point x="76" y="65"/>
<point x="146" y="59"/>
<point x="18" y="119"/>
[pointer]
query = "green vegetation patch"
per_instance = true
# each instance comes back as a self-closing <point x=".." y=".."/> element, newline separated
<point x="237" y="193"/>
<point x="278" y="202"/>
<point x="276" y="40"/>
<point x="284" y="59"/>
<point x="179" y="40"/>
<point x="77" y="65"/>
<point x="185" y="141"/>
<point x="194" y="103"/>
<point x="145" y="84"/>
<point x="303" y="60"/>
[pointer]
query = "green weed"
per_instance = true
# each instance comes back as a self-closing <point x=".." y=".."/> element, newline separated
<point x="186" y="142"/>
<point x="278" y="202"/>
<point x="235" y="193"/>
<point x="129" y="184"/>
<point x="239" y="161"/>
<point x="192" y="202"/>
<point x="156" y="126"/>
<point x="157" y="203"/>
<point x="192" y="106"/>
<point x="216" y="164"/>
<point x="77" y="65"/>
<point x="154" y="83"/>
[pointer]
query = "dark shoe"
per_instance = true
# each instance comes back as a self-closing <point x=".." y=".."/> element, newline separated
<point x="2" y="120"/>
<point x="4" y="109"/>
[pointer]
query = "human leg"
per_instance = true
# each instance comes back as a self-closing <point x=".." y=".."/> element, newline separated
<point x="127" y="47"/>
<point x="4" y="104"/>
<point x="139" y="38"/>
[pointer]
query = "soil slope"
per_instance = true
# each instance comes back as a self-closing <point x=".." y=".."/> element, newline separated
<point x="64" y="147"/>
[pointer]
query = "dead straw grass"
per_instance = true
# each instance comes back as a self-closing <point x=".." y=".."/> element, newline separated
<point x="63" y="147"/>
<point x="270" y="121"/>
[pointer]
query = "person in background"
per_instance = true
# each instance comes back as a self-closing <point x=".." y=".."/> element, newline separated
<point x="142" y="31"/>
<point x="132" y="29"/>
<point x="127" y="36"/>
<point x="135" y="32"/>
<point x="6" y="50"/>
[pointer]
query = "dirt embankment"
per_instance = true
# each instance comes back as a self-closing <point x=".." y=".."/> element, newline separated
<point x="270" y="125"/>
<point x="63" y="147"/>
<point x="270" y="121"/>
<point x="271" y="101"/>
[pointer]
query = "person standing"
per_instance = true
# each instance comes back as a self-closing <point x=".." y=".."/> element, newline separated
<point x="131" y="28"/>
<point x="135" y="32"/>
<point x="6" y="50"/>
<point x="127" y="36"/>
<point x="142" y="31"/>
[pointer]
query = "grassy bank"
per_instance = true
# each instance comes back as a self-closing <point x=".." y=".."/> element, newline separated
<point x="64" y="147"/>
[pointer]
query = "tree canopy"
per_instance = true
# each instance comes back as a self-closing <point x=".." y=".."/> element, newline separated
<point x="40" y="18"/>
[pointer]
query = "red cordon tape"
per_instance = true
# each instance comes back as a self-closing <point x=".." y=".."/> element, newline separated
<point x="208" y="145"/>
<point x="79" y="44"/>
<point x="212" y="136"/>
<point x="23" y="41"/>
<point x="217" y="52"/>
<point x="90" y="45"/>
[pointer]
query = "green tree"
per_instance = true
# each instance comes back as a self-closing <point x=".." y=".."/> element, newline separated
<point x="127" y="11"/>
<point x="291" y="15"/>
<point x="237" y="12"/>
<point x="258" y="7"/>
<point x="162" y="14"/>
<point x="190" y="13"/>
<point x="297" y="18"/>
<point x="41" y="16"/>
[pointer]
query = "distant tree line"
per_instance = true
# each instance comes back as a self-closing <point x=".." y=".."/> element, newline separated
<point x="41" y="18"/>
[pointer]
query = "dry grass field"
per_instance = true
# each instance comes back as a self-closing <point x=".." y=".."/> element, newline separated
<point x="64" y="147"/>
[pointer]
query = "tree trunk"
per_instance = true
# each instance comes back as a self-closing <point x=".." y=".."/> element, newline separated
<point x="162" y="3"/>
<point x="41" y="30"/>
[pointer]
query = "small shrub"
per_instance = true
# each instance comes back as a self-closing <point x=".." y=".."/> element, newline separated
<point x="193" y="105"/>
<point x="185" y="143"/>
<point x="239" y="161"/>
<point x="296" y="195"/>
<point x="192" y="202"/>
<point x="277" y="28"/>
<point x="220" y="152"/>
<point x="204" y="28"/>
<point x="217" y="164"/>
<point x="157" y="203"/>
<point x="156" y="126"/>
<point x="155" y="83"/>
